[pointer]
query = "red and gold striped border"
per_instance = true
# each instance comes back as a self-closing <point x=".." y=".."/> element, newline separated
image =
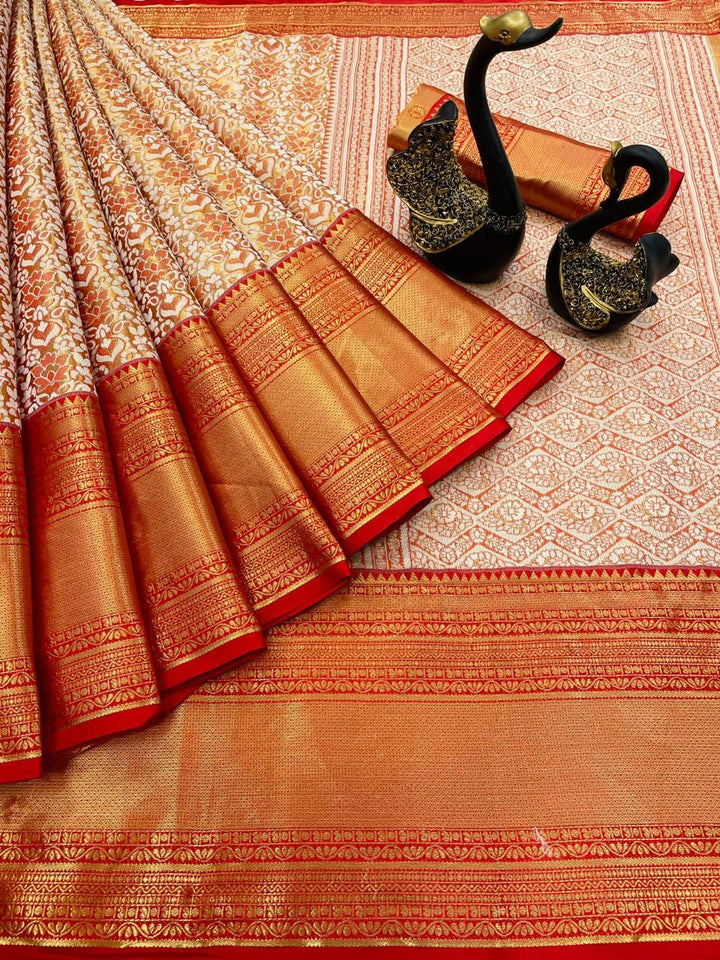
<point x="420" y="19"/>
<point x="569" y="664"/>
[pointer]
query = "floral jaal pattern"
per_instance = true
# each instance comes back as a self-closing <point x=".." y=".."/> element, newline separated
<point x="213" y="253"/>
<point x="252" y="207"/>
<point x="294" y="183"/>
<point x="52" y="354"/>
<point x="115" y="329"/>
<point x="158" y="281"/>
<point x="291" y="89"/>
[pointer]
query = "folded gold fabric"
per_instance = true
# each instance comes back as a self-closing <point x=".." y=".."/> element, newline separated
<point x="228" y="380"/>
<point x="554" y="172"/>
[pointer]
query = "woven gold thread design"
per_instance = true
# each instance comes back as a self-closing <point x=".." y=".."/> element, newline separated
<point x="437" y="878"/>
<point x="425" y="408"/>
<point x="348" y="464"/>
<point x="482" y="347"/>
<point x="419" y="19"/>
<point x="19" y="718"/>
<point x="90" y="642"/>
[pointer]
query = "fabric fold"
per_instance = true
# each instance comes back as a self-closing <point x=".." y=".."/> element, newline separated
<point x="219" y="380"/>
<point x="455" y="326"/>
<point x="284" y="550"/>
<point x="354" y="472"/>
<point x="195" y="607"/>
<point x="93" y="656"/>
<point x="20" y="746"/>
<point x="555" y="173"/>
<point x="434" y="418"/>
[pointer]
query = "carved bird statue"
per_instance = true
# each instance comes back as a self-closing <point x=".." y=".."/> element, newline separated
<point x="592" y="290"/>
<point x="468" y="232"/>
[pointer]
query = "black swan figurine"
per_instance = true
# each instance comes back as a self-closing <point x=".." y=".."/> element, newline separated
<point x="592" y="290"/>
<point x="466" y="231"/>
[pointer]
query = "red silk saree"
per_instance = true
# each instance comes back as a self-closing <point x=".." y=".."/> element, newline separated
<point x="427" y="758"/>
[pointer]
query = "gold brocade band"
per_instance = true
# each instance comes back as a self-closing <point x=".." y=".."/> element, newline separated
<point x="426" y="409"/>
<point x="446" y="759"/>
<point x="500" y="361"/>
<point x="278" y="542"/>
<point x="419" y="19"/>
<point x="91" y="645"/>
<point x="192" y="596"/>
<point x="351" y="474"/>
<point x="19" y="713"/>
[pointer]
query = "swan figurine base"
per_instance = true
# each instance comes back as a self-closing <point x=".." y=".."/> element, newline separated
<point x="450" y="216"/>
<point x="466" y="231"/>
<point x="590" y="289"/>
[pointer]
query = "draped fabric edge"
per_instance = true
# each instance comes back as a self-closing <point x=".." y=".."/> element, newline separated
<point x="649" y="949"/>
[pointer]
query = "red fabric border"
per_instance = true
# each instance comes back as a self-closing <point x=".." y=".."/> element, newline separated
<point x="652" y="218"/>
<point x="305" y="595"/>
<point x="398" y="513"/>
<point x="538" y="376"/>
<point x="286" y="3"/>
<point x="221" y="658"/>
<point x="327" y="3"/>
<point x="98" y="729"/>
<point x="482" y="440"/>
<point x="15" y="770"/>
<point x="645" y="950"/>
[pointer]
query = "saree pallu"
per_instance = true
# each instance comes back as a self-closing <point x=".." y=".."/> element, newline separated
<point x="554" y="173"/>
<point x="229" y="381"/>
<point x="430" y="759"/>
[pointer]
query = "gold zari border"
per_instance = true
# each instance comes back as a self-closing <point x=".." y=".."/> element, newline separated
<point x="420" y="19"/>
<point x="443" y="669"/>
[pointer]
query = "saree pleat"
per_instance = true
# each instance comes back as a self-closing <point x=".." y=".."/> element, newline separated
<point x="196" y="611"/>
<point x="217" y="382"/>
<point x="434" y="418"/>
<point x="283" y="548"/>
<point x="347" y="461"/>
<point x="93" y="658"/>
<point x="455" y="326"/>
<point x="20" y="747"/>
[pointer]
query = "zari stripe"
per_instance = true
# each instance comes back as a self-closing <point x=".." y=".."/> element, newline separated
<point x="93" y="656"/>
<point x="188" y="616"/>
<point x="419" y="19"/>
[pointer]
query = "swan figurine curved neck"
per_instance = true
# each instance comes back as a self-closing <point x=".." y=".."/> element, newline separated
<point x="469" y="232"/>
<point x="592" y="290"/>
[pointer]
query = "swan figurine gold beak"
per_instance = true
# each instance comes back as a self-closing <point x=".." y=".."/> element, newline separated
<point x="467" y="231"/>
<point x="588" y="288"/>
